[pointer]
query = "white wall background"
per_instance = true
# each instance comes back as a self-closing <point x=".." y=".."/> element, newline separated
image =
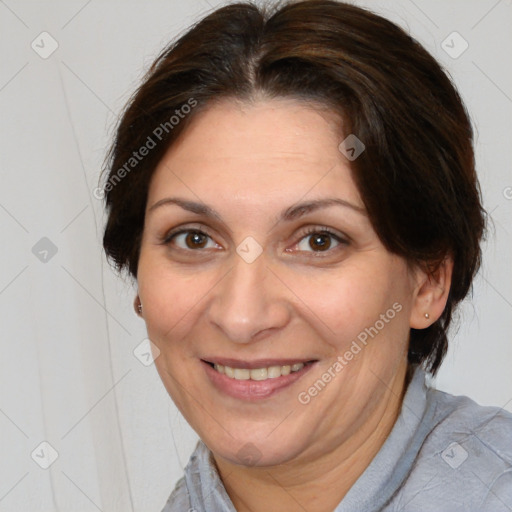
<point x="68" y="375"/>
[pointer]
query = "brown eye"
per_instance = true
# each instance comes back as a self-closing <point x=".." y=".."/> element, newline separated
<point x="320" y="240"/>
<point x="188" y="239"/>
<point x="195" y="240"/>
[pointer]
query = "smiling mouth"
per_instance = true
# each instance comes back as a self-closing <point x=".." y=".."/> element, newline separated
<point x="259" y="374"/>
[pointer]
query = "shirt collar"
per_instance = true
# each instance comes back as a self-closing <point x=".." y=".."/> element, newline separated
<point x="372" y="490"/>
<point x="390" y="467"/>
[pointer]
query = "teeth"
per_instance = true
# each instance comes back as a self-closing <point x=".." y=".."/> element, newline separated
<point x="272" y="372"/>
<point x="286" y="370"/>
<point x="259" y="374"/>
<point x="242" y="374"/>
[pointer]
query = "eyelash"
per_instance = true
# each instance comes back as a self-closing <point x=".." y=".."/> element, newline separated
<point x="167" y="239"/>
<point x="322" y="230"/>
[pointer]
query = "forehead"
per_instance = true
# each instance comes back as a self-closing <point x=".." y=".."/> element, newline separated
<point x="281" y="147"/>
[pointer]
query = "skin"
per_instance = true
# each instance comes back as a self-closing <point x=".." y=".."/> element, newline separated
<point x="249" y="162"/>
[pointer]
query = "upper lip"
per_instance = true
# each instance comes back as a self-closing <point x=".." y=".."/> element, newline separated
<point x="255" y="363"/>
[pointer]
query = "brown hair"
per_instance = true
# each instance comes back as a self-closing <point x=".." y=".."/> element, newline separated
<point x="417" y="175"/>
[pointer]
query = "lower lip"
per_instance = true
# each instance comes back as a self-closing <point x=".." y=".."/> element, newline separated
<point x="253" y="390"/>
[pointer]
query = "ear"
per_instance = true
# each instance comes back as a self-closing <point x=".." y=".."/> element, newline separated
<point x="431" y="294"/>
<point x="137" y="306"/>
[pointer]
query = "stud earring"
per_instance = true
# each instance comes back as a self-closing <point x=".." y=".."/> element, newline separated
<point x="137" y="305"/>
<point x="426" y="315"/>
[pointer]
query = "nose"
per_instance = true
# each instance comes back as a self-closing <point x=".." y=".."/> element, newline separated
<point x="249" y="302"/>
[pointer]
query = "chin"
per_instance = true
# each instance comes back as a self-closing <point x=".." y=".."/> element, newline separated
<point x="255" y="447"/>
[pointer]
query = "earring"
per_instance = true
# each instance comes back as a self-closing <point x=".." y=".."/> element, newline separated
<point x="137" y="305"/>
<point x="426" y="315"/>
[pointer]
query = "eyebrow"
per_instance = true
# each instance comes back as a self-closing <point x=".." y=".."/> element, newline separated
<point x="292" y="213"/>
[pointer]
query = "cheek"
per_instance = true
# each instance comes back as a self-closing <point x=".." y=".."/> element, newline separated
<point x="343" y="302"/>
<point x="337" y="304"/>
<point x="170" y="299"/>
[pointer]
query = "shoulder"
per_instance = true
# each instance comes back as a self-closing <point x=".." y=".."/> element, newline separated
<point x="465" y="462"/>
<point x="179" y="500"/>
<point x="462" y="418"/>
<point x="200" y="489"/>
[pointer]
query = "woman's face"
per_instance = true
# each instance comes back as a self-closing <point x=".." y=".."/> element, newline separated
<point x="257" y="283"/>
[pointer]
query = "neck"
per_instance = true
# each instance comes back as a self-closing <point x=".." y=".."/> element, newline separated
<point x="320" y="482"/>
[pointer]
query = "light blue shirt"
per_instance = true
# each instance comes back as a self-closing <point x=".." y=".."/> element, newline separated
<point x="444" y="453"/>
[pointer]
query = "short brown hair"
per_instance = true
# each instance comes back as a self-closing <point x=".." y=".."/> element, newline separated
<point x="416" y="176"/>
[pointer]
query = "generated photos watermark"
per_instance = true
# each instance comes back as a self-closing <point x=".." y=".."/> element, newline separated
<point x="357" y="345"/>
<point x="351" y="147"/>
<point x="157" y="135"/>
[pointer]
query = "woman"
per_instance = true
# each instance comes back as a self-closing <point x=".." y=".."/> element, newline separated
<point x="294" y="191"/>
